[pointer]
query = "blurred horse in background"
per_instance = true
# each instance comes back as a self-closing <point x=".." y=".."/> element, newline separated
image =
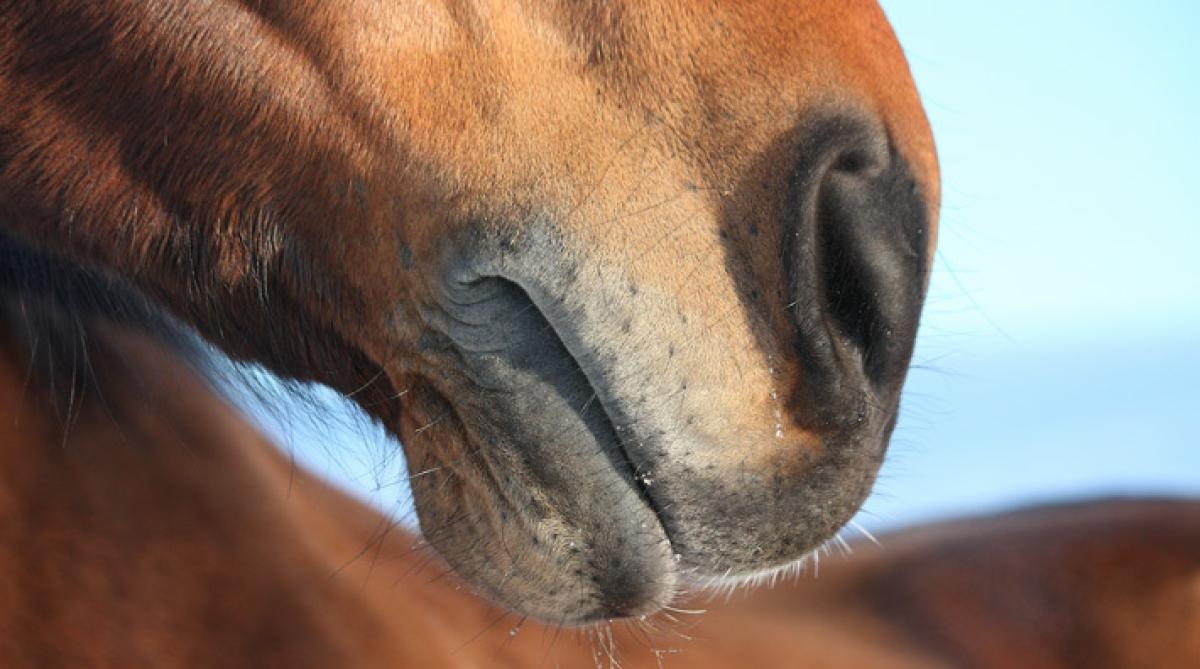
<point x="162" y="530"/>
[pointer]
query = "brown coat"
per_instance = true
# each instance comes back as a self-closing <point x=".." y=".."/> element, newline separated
<point x="162" y="531"/>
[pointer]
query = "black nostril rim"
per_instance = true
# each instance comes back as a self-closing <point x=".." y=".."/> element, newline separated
<point x="857" y="258"/>
<point x="854" y="160"/>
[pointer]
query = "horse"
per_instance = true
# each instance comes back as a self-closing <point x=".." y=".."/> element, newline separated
<point x="635" y="286"/>
<point x="640" y="283"/>
<point x="163" y="530"/>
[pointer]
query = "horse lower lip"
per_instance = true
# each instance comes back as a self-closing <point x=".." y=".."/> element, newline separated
<point x="533" y="407"/>
<point x="567" y="550"/>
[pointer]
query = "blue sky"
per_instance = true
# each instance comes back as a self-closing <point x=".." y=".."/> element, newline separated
<point x="1060" y="351"/>
<point x="1058" y="355"/>
<point x="1067" y="140"/>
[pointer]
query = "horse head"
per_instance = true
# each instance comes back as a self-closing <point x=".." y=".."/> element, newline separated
<point x="635" y="284"/>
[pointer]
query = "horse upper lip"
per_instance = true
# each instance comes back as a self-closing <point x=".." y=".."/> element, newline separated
<point x="600" y="395"/>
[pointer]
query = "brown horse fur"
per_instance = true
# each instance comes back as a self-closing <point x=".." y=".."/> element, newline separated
<point x="157" y="529"/>
<point x="637" y="283"/>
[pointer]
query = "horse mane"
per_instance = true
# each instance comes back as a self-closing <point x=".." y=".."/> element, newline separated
<point x="53" y="309"/>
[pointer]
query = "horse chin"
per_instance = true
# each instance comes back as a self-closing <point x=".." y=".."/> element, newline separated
<point x="554" y="529"/>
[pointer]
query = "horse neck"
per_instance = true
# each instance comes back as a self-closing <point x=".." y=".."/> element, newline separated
<point x="126" y="175"/>
<point x="162" y="526"/>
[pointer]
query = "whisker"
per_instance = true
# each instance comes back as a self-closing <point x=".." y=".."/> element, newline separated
<point x="865" y="532"/>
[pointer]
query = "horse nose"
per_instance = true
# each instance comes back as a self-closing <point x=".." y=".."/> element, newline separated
<point x="858" y="263"/>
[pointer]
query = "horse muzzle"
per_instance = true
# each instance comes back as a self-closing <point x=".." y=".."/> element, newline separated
<point x="629" y="431"/>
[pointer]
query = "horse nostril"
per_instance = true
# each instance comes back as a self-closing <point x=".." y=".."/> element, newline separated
<point x="858" y="258"/>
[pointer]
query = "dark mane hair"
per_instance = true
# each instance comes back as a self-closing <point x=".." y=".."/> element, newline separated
<point x="53" y="314"/>
<point x="52" y="309"/>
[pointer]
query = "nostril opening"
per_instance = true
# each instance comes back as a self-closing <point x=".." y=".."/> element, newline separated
<point x="847" y="299"/>
<point x="853" y="161"/>
<point x="858" y="258"/>
<point x="851" y="300"/>
<point x="870" y="256"/>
